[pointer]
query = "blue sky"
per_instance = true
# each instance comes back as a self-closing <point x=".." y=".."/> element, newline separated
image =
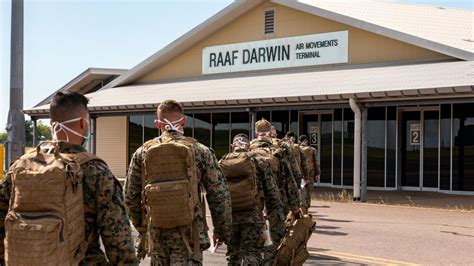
<point x="63" y="38"/>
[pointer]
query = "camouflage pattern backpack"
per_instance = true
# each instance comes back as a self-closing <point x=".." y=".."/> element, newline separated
<point x="45" y="223"/>
<point x="240" y="172"/>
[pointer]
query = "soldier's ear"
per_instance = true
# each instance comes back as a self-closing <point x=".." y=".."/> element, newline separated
<point x="157" y="123"/>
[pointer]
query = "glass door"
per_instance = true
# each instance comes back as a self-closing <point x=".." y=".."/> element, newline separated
<point x="420" y="149"/>
<point x="430" y="150"/>
<point x="411" y="149"/>
<point x="318" y="127"/>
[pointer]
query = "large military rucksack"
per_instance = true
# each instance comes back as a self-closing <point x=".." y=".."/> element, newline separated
<point x="240" y="173"/>
<point x="308" y="152"/>
<point x="45" y="223"/>
<point x="292" y="250"/>
<point x="170" y="188"/>
<point x="269" y="154"/>
<point x="297" y="151"/>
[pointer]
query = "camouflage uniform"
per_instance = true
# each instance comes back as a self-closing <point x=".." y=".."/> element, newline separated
<point x="105" y="214"/>
<point x="313" y="171"/>
<point x="290" y="155"/>
<point x="168" y="245"/>
<point x="247" y="226"/>
<point x="288" y="192"/>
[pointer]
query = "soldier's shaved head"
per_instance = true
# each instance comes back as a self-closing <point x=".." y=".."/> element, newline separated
<point x="169" y="109"/>
<point x="68" y="105"/>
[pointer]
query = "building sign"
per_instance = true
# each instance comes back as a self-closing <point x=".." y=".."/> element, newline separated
<point x="313" y="135"/>
<point x="415" y="133"/>
<point x="307" y="50"/>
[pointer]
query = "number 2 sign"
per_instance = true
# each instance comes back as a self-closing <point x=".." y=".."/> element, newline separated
<point x="415" y="134"/>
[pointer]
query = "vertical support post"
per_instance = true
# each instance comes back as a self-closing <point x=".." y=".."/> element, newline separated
<point x="363" y="181"/>
<point x="357" y="147"/>
<point x="93" y="140"/>
<point x="35" y="132"/>
<point x="253" y="120"/>
<point x="16" y="119"/>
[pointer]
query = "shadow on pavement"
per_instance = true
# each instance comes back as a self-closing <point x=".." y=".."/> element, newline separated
<point x="330" y="233"/>
<point x="327" y="227"/>
<point x="335" y="220"/>
<point x="456" y="234"/>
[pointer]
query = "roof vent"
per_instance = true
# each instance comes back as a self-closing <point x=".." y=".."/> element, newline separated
<point x="269" y="24"/>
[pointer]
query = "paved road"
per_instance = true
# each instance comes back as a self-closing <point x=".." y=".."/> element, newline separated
<point x="363" y="234"/>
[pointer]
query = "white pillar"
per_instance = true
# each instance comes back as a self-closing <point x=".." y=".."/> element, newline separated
<point x="357" y="146"/>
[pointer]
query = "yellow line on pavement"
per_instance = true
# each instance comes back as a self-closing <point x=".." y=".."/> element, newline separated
<point x="359" y="258"/>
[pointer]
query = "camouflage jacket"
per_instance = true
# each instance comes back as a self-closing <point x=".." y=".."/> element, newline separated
<point x="268" y="193"/>
<point x="105" y="215"/>
<point x="284" y="178"/>
<point x="211" y="179"/>
<point x="315" y="165"/>
<point x="303" y="166"/>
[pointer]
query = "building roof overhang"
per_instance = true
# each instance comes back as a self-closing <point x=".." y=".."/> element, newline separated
<point x="88" y="81"/>
<point x="387" y="83"/>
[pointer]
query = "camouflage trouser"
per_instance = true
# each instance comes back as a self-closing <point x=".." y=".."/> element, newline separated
<point x="246" y="244"/>
<point x="169" y="249"/>
<point x="277" y="231"/>
<point x="306" y="193"/>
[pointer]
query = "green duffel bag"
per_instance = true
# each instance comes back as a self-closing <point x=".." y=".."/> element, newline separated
<point x="292" y="249"/>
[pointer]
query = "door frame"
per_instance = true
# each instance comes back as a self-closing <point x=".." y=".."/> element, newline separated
<point x="319" y="113"/>
<point x="422" y="111"/>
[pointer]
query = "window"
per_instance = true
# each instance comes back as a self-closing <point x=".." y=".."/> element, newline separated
<point x="391" y="145"/>
<point x="269" y="22"/>
<point x="150" y="130"/>
<point x="376" y="147"/>
<point x="463" y="147"/>
<point x="240" y="124"/>
<point x="202" y="128"/>
<point x="445" y="148"/>
<point x="337" y="146"/>
<point x="348" y="148"/>
<point x="281" y="122"/>
<point x="220" y="133"/>
<point x="188" y="127"/>
<point x="135" y="134"/>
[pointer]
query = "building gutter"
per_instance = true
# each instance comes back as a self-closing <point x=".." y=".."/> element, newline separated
<point x="357" y="147"/>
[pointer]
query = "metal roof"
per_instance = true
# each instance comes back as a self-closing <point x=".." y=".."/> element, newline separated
<point x="445" y="30"/>
<point x="325" y="85"/>
<point x="89" y="80"/>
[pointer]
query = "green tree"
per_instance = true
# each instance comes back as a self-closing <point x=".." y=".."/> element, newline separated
<point x="3" y="137"/>
<point x="43" y="132"/>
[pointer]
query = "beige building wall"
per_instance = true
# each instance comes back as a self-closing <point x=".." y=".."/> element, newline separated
<point x="364" y="47"/>
<point x="112" y="143"/>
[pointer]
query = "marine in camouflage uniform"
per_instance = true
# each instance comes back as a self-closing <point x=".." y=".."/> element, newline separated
<point x="247" y="239"/>
<point x="289" y="154"/>
<point x="168" y="247"/>
<point x="285" y="181"/>
<point x="104" y="210"/>
<point x="313" y="172"/>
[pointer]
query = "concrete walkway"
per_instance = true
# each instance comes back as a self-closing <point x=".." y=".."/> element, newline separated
<point x="400" y="198"/>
